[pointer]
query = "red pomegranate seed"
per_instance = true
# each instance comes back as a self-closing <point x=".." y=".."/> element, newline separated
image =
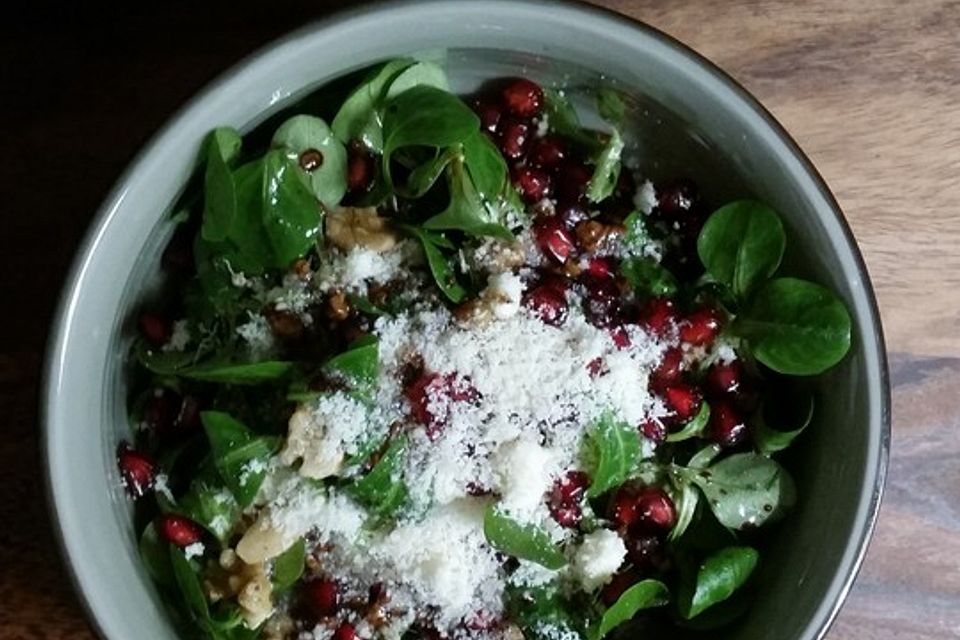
<point x="615" y="588"/>
<point x="647" y="554"/>
<point x="548" y="303"/>
<point x="553" y="239"/>
<point x="658" y="316"/>
<point x="726" y="427"/>
<point x="188" y="419"/>
<point x="136" y="470"/>
<point x="566" y="498"/>
<point x="724" y="377"/>
<point x="602" y="306"/>
<point x="161" y="411"/>
<point x="514" y="136"/>
<point x="433" y="391"/>
<point x="154" y="328"/>
<point x="683" y="400"/>
<point x="572" y="180"/>
<point x="359" y="168"/>
<point x="345" y="632"/>
<point x="533" y="184"/>
<point x="700" y="327"/>
<point x="655" y="510"/>
<point x="654" y="430"/>
<point x="178" y="530"/>
<point x="623" y="507"/>
<point x="177" y="257"/>
<point x="668" y="371"/>
<point x="323" y="597"/>
<point x="547" y="152"/>
<point x="676" y="197"/>
<point x="488" y="112"/>
<point x="523" y="98"/>
<point x="595" y="367"/>
<point x="621" y="339"/>
<point x="601" y="267"/>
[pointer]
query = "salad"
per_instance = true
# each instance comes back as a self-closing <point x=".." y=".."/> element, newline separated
<point x="431" y="366"/>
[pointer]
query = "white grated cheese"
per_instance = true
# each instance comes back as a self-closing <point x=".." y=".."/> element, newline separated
<point x="598" y="557"/>
<point x="194" y="550"/>
<point x="179" y="337"/>
<point x="645" y="198"/>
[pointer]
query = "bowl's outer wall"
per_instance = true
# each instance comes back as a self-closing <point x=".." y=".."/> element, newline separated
<point x="715" y="130"/>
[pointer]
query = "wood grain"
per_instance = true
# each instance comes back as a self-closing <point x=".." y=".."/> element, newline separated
<point x="870" y="90"/>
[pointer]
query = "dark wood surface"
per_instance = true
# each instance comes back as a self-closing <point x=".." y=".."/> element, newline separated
<point x="870" y="89"/>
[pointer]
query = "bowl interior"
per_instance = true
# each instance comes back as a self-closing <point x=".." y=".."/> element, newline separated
<point x="685" y="119"/>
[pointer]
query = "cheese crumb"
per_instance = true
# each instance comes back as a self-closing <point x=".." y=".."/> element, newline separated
<point x="645" y="198"/>
<point x="599" y="556"/>
<point x="194" y="550"/>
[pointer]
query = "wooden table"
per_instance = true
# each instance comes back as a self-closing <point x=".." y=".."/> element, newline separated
<point x="869" y="88"/>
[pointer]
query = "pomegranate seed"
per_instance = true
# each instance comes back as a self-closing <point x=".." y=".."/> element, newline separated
<point x="700" y="327"/>
<point x="161" y="411"/>
<point x="615" y="588"/>
<point x="623" y="507"/>
<point x="655" y="510"/>
<point x="533" y="184"/>
<point x="668" y="371"/>
<point x="726" y="427"/>
<point x="177" y="257"/>
<point x="323" y="597"/>
<point x="188" y="419"/>
<point x="523" y="98"/>
<point x="514" y="135"/>
<point x="572" y="180"/>
<point x="621" y="339"/>
<point x="602" y="306"/>
<point x="430" y="388"/>
<point x="178" y="530"/>
<point x="136" y="470"/>
<point x="646" y="554"/>
<point x="654" y="430"/>
<point x="683" y="400"/>
<point x="553" y="239"/>
<point x="571" y="214"/>
<point x="676" y="197"/>
<point x="547" y="303"/>
<point x="658" y="316"/>
<point x="488" y="112"/>
<point x="345" y="632"/>
<point x="154" y="328"/>
<point x="359" y="168"/>
<point x="601" y="267"/>
<point x="724" y="377"/>
<point x="547" y="152"/>
<point x="595" y="367"/>
<point x="566" y="498"/>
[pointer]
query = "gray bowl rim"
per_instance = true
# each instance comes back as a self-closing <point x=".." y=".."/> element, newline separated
<point x="59" y="326"/>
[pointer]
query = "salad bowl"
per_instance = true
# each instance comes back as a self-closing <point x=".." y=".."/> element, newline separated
<point x="685" y="115"/>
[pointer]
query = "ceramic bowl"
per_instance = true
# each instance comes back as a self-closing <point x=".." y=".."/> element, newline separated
<point x="689" y="118"/>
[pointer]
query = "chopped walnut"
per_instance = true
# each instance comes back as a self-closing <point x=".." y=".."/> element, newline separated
<point x="247" y="581"/>
<point x="350" y="227"/>
<point x="284" y="324"/>
<point x="302" y="268"/>
<point x="591" y="234"/>
<point x="308" y="440"/>
<point x="261" y="542"/>
<point x="497" y="255"/>
<point x="512" y="632"/>
<point x="338" y="308"/>
<point x="279" y="627"/>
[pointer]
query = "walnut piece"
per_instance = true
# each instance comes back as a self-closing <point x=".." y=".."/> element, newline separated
<point x="247" y="581"/>
<point x="309" y="441"/>
<point x="350" y="227"/>
<point x="261" y="542"/>
<point x="591" y="234"/>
